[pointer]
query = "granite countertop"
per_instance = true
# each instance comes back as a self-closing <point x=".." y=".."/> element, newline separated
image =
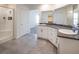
<point x="76" y="37"/>
<point x="56" y="26"/>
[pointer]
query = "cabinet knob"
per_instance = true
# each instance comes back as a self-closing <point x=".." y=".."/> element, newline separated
<point x="41" y="30"/>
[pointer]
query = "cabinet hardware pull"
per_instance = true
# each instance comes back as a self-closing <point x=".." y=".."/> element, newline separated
<point x="56" y="41"/>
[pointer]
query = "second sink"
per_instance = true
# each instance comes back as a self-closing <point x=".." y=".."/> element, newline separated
<point x="67" y="31"/>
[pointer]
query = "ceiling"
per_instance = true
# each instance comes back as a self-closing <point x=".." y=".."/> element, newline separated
<point x="33" y="6"/>
<point x="39" y="6"/>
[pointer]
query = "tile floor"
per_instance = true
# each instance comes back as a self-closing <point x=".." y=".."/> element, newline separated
<point x="28" y="44"/>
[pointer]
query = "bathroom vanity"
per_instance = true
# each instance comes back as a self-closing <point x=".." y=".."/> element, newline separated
<point x="68" y="46"/>
<point x="64" y="43"/>
<point x="67" y="40"/>
<point x="48" y="33"/>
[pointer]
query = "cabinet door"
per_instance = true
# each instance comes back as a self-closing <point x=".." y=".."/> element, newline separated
<point x="68" y="46"/>
<point x="42" y="32"/>
<point x="52" y="36"/>
<point x="39" y="32"/>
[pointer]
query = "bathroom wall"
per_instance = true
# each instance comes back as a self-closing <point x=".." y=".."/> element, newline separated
<point x="13" y="6"/>
<point x="22" y="20"/>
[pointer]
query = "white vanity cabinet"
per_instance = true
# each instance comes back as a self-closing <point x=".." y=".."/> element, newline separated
<point x="68" y="46"/>
<point x="52" y="36"/>
<point x="49" y="34"/>
<point x="42" y="32"/>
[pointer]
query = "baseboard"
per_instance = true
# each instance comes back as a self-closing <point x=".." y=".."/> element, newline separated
<point x="3" y="40"/>
<point x="47" y="40"/>
<point x="22" y="36"/>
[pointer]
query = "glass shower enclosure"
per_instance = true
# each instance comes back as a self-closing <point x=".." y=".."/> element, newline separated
<point x="6" y="24"/>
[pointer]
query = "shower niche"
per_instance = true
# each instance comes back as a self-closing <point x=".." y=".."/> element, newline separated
<point x="6" y="24"/>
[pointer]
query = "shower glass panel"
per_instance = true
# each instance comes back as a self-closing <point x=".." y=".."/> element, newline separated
<point x="75" y="14"/>
<point x="6" y="25"/>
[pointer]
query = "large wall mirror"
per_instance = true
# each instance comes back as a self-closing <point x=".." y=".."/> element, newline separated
<point x="75" y="15"/>
<point x="67" y="15"/>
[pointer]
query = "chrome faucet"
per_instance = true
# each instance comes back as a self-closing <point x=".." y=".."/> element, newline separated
<point x="76" y="29"/>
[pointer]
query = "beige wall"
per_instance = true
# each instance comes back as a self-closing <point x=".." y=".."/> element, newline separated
<point x="13" y="6"/>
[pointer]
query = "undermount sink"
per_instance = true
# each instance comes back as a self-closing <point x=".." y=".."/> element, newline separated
<point x="67" y="31"/>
